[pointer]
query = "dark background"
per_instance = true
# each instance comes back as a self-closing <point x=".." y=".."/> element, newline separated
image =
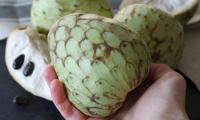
<point x="40" y="109"/>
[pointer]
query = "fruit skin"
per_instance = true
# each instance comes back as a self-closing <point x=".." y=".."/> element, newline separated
<point x="183" y="14"/>
<point x="161" y="32"/>
<point x="99" y="61"/>
<point x="45" y="12"/>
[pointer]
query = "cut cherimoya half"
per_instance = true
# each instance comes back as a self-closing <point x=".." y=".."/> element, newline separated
<point x="26" y="58"/>
<point x="183" y="10"/>
<point x="196" y="17"/>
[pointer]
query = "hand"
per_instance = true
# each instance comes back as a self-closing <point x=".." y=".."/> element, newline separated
<point x="161" y="97"/>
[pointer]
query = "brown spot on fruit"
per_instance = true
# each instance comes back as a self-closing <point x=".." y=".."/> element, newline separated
<point x="86" y="78"/>
<point x="90" y="111"/>
<point x="94" y="98"/>
<point x="156" y="56"/>
<point x="43" y="12"/>
<point x="75" y="5"/>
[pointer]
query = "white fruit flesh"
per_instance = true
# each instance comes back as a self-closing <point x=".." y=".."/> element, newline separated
<point x="23" y="42"/>
<point x="196" y="17"/>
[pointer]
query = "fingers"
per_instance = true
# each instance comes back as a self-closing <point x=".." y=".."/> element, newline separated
<point x="175" y="85"/>
<point x="61" y="102"/>
<point x="157" y="71"/>
<point x="58" y="92"/>
<point x="60" y="99"/>
<point x="165" y="98"/>
<point x="170" y="81"/>
<point x="59" y="96"/>
<point x="49" y="74"/>
<point x="167" y="84"/>
<point x="171" y="88"/>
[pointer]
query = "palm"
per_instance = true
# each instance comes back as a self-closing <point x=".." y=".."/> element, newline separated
<point x="164" y="99"/>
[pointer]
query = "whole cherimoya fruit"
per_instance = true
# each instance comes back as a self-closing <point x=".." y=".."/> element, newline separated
<point x="161" y="32"/>
<point x="182" y="10"/>
<point x="45" y="12"/>
<point x="99" y="61"/>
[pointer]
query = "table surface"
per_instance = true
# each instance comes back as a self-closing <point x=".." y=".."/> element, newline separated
<point x="40" y="109"/>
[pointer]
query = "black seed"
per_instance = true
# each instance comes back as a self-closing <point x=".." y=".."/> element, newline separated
<point x="28" y="70"/>
<point x="18" y="62"/>
<point x="21" y="100"/>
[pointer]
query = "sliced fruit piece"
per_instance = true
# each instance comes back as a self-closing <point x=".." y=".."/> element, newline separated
<point x="181" y="9"/>
<point x="26" y="58"/>
<point x="196" y="18"/>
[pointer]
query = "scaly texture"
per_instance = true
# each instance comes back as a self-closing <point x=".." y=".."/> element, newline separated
<point x="183" y="10"/>
<point x="45" y="12"/>
<point x="99" y="61"/>
<point x="161" y="32"/>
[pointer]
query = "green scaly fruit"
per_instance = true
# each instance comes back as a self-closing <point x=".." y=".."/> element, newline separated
<point x="99" y="61"/>
<point x="161" y="32"/>
<point x="45" y="12"/>
<point x="183" y="10"/>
